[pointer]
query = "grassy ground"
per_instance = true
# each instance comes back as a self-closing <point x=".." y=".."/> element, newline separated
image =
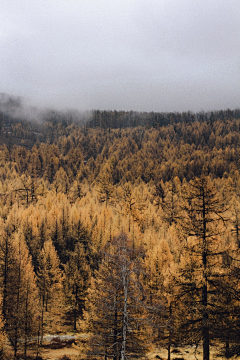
<point x="179" y="353"/>
<point x="52" y="354"/>
<point x="186" y="353"/>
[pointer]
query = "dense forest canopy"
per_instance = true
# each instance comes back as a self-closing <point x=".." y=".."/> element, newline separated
<point x="133" y="215"/>
<point x="152" y="145"/>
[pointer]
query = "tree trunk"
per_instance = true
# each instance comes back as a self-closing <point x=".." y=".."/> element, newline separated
<point x="115" y="330"/>
<point x="205" y="337"/>
<point x="16" y="319"/>
<point x="42" y="318"/>
<point x="26" y="324"/>
<point x="170" y="333"/>
<point x="227" y="352"/>
<point x="205" y="328"/>
<point x="169" y="350"/>
<point x="75" y="309"/>
<point x="125" y="314"/>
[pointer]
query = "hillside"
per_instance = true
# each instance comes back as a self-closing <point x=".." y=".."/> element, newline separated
<point x="71" y="193"/>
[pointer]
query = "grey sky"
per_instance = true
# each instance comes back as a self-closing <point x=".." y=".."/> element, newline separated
<point x="145" y="55"/>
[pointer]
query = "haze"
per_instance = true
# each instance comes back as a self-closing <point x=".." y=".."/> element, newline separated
<point x="155" y="55"/>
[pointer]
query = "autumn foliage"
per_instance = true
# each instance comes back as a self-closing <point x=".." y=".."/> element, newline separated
<point x="130" y="233"/>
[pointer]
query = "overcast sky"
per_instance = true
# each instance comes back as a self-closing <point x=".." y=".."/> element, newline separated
<point x="145" y="55"/>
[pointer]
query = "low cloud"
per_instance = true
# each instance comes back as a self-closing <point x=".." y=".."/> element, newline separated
<point x="158" y="55"/>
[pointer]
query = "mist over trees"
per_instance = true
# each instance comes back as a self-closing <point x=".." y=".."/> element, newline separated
<point x="124" y="226"/>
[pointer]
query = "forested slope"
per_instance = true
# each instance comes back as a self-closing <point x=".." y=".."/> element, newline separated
<point x="149" y="153"/>
<point x="166" y="190"/>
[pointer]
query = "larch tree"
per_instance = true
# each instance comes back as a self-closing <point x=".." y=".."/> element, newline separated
<point x="200" y="269"/>
<point x="79" y="234"/>
<point x="170" y="292"/>
<point x="159" y="194"/>
<point x="162" y="270"/>
<point x="2" y="338"/>
<point x="228" y="299"/>
<point x="21" y="310"/>
<point x="61" y="181"/>
<point x="42" y="233"/>
<point x="76" y="283"/>
<point x="6" y="265"/>
<point x="235" y="207"/>
<point x="129" y="202"/>
<point x="105" y="187"/>
<point x="171" y="201"/>
<point x="50" y="283"/>
<point x="117" y="315"/>
<point x="227" y="303"/>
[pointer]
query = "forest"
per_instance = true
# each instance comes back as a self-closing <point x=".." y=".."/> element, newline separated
<point x="122" y="226"/>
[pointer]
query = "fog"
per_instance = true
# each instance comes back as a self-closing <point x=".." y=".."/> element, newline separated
<point x="156" y="55"/>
